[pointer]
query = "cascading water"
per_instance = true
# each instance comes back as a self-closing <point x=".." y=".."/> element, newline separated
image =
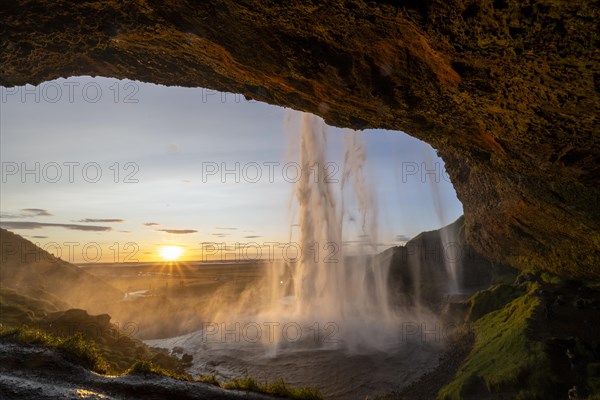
<point x="449" y="251"/>
<point x="346" y="293"/>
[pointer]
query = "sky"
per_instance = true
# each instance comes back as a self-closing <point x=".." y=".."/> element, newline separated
<point x="104" y="170"/>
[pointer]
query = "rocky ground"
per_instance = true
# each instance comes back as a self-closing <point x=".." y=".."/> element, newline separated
<point x="428" y="386"/>
<point x="36" y="373"/>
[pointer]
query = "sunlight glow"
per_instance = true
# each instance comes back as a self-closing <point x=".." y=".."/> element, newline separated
<point x="170" y="253"/>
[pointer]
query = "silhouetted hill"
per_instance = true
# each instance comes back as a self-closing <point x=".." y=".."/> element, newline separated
<point x="32" y="272"/>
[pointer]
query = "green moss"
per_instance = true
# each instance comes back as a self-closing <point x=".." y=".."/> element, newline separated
<point x="276" y="388"/>
<point x="27" y="335"/>
<point x="247" y="383"/>
<point x="492" y="299"/>
<point x="84" y="352"/>
<point x="207" y="379"/>
<point x="503" y="357"/>
<point x="148" y="367"/>
<point x="117" y="352"/>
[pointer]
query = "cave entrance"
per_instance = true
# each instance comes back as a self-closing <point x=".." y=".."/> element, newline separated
<point x="125" y="161"/>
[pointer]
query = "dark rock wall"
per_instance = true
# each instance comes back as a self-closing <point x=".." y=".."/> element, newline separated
<point x="506" y="91"/>
<point x="418" y="272"/>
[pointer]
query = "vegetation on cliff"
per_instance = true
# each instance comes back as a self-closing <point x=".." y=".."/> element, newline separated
<point x="534" y="339"/>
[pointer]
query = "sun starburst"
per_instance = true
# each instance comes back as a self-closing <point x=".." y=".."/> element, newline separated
<point x="170" y="253"/>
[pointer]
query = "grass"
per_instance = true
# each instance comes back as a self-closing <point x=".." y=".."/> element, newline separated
<point x="503" y="357"/>
<point x="275" y="388"/>
<point x="492" y="299"/>
<point x="75" y="348"/>
<point x="85" y="352"/>
<point x="211" y="379"/>
<point x="148" y="367"/>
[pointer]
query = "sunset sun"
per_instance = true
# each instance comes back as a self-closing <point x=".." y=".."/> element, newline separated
<point x="170" y="253"/>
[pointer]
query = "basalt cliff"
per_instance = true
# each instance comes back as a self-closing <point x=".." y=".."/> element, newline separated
<point x="506" y="91"/>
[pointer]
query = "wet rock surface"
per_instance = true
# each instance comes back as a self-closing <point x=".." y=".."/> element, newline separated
<point x="29" y="372"/>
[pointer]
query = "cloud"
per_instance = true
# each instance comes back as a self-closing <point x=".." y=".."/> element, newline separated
<point x="103" y="220"/>
<point x="11" y="216"/>
<point x="27" y="213"/>
<point x="38" y="225"/>
<point x="229" y="229"/>
<point x="402" y="238"/>
<point x="177" y="231"/>
<point x="252" y="236"/>
<point x="39" y="237"/>
<point x="151" y="224"/>
<point x="220" y="234"/>
<point x="38" y="212"/>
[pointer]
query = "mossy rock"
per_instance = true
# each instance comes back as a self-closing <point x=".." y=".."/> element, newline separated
<point x="495" y="298"/>
<point x="504" y="357"/>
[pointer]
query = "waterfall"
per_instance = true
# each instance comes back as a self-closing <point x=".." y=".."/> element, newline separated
<point x="325" y="292"/>
<point x="448" y="239"/>
<point x="329" y="286"/>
